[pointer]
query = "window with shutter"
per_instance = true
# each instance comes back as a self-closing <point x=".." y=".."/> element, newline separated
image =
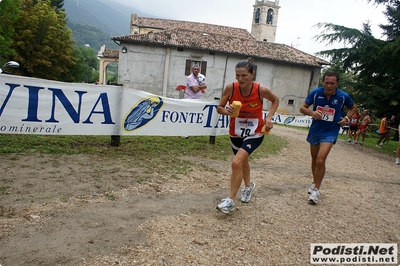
<point x="190" y="63"/>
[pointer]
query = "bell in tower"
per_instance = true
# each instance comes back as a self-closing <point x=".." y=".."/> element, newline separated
<point x="265" y="20"/>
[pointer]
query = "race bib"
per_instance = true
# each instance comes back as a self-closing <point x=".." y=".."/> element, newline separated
<point x="245" y="127"/>
<point x="327" y="113"/>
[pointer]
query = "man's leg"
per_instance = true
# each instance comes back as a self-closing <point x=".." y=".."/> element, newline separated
<point x="357" y="135"/>
<point x="314" y="153"/>
<point x="363" y="135"/>
<point x="387" y="137"/>
<point x="319" y="153"/>
<point x="381" y="136"/>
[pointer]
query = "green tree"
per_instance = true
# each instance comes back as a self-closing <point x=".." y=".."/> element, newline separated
<point x="392" y="30"/>
<point x="374" y="62"/>
<point x="87" y="65"/>
<point x="112" y="73"/>
<point x="58" y="4"/>
<point x="9" y="13"/>
<point x="43" y="42"/>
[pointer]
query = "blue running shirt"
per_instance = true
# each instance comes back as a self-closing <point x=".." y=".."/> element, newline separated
<point x="332" y="110"/>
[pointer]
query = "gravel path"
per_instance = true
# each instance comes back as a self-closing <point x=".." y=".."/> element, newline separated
<point x="175" y="222"/>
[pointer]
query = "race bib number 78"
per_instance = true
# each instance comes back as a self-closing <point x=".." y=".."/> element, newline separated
<point x="245" y="127"/>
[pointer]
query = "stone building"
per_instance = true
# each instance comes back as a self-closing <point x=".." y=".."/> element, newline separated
<point x="107" y="56"/>
<point x="265" y="20"/>
<point x="158" y="53"/>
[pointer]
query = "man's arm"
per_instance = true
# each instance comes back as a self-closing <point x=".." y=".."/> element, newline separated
<point x="198" y="88"/>
<point x="386" y="124"/>
<point x="352" y="110"/>
<point x="304" y="110"/>
<point x="317" y="115"/>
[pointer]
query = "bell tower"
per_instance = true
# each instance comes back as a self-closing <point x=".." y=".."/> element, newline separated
<point x="265" y="20"/>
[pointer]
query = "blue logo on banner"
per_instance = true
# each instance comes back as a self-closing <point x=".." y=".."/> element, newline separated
<point x="289" y="120"/>
<point x="143" y="113"/>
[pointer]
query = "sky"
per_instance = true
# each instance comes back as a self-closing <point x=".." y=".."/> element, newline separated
<point x="296" y="19"/>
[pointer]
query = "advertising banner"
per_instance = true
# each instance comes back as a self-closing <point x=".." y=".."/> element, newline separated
<point x="38" y="106"/>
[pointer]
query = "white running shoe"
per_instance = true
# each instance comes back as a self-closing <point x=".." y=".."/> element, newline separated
<point x="310" y="189"/>
<point x="227" y="205"/>
<point x="397" y="160"/>
<point x="313" y="198"/>
<point x="246" y="192"/>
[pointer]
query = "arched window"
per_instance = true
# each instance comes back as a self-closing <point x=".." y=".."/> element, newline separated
<point x="270" y="16"/>
<point x="257" y="17"/>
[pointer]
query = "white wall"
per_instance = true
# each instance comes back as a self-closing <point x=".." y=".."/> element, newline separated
<point x="143" y="68"/>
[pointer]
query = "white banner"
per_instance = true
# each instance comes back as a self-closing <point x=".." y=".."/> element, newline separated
<point x="38" y="106"/>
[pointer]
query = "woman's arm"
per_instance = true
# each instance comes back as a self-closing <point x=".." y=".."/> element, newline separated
<point x="270" y="96"/>
<point x="226" y="94"/>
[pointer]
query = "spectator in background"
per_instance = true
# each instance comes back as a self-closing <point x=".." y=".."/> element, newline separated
<point x="362" y="129"/>
<point x="345" y="129"/>
<point x="383" y="130"/>
<point x="391" y="125"/>
<point x="195" y="83"/>
<point x="354" y="121"/>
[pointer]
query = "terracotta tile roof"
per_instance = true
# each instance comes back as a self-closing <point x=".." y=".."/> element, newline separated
<point x="214" y="38"/>
<point x="165" y="24"/>
<point x="110" y="53"/>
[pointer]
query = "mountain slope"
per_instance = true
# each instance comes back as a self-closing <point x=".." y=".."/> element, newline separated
<point x="95" y="22"/>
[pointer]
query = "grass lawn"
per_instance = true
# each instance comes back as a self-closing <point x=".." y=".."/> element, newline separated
<point x="152" y="146"/>
<point x="140" y="146"/>
<point x="372" y="139"/>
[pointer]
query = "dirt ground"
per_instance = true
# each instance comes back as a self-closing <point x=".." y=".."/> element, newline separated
<point x="85" y="210"/>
